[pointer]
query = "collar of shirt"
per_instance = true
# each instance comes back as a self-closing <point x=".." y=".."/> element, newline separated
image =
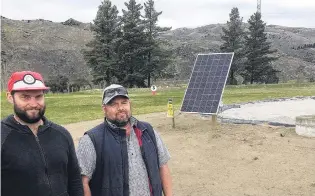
<point x="133" y="122"/>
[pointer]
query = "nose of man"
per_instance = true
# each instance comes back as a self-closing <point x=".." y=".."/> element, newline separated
<point x="121" y="108"/>
<point x="33" y="102"/>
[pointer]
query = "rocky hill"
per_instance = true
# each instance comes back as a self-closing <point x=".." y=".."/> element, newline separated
<point x="56" y="48"/>
<point x="188" y="42"/>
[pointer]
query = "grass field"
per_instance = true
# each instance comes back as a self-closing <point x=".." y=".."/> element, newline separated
<point x="83" y="106"/>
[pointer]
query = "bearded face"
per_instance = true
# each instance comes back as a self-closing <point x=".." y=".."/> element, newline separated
<point x="29" y="115"/>
<point x="118" y="111"/>
<point x="29" y="106"/>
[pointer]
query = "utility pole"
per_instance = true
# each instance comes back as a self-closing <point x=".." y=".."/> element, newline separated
<point x="259" y="6"/>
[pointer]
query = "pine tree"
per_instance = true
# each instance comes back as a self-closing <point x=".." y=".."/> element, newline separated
<point x="134" y="47"/>
<point x="258" y="64"/>
<point x="233" y="37"/>
<point x="158" y="57"/>
<point x="102" y="55"/>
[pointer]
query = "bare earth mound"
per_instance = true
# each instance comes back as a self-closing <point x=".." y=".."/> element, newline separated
<point x="231" y="159"/>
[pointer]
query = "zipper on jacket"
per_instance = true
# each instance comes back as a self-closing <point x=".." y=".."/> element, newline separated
<point x="122" y="155"/>
<point x="43" y="159"/>
<point x="123" y="160"/>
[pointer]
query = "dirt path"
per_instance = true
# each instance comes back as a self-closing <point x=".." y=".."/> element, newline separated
<point x="231" y="159"/>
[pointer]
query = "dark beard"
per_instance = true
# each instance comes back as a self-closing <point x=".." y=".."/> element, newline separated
<point x="119" y="123"/>
<point x="23" y="115"/>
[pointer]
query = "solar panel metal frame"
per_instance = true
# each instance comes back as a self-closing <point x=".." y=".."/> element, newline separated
<point x="226" y="77"/>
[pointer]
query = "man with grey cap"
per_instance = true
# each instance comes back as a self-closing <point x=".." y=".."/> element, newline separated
<point x="123" y="156"/>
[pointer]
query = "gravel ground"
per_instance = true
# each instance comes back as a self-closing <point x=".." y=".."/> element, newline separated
<point x="230" y="159"/>
<point x="275" y="111"/>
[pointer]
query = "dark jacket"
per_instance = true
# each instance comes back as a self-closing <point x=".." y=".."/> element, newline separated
<point x="42" y="165"/>
<point x="111" y="176"/>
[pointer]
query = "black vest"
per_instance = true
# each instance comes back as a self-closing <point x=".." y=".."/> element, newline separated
<point x="111" y="175"/>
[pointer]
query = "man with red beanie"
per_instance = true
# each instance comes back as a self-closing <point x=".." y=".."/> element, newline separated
<point x="37" y="155"/>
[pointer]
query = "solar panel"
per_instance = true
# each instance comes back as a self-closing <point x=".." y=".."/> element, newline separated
<point x="206" y="84"/>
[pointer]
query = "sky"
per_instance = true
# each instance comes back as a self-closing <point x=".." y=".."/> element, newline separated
<point x="176" y="13"/>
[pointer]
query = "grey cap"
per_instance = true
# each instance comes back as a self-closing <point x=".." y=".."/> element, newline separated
<point x="113" y="91"/>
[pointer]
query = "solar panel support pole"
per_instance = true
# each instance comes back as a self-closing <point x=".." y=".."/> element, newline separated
<point x="214" y="119"/>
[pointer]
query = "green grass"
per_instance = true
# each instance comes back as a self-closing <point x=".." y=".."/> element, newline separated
<point x="82" y="106"/>
<point x="238" y="94"/>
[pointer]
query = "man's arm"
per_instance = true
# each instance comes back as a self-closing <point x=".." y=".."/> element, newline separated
<point x="166" y="180"/>
<point x="86" y="187"/>
<point x="164" y="157"/>
<point x="87" y="161"/>
<point x="75" y="187"/>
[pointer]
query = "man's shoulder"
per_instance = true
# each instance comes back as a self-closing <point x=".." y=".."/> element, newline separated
<point x="95" y="135"/>
<point x="5" y="129"/>
<point x="6" y="121"/>
<point x="144" y="122"/>
<point x="4" y="125"/>
<point x="147" y="129"/>
<point x="144" y="125"/>
<point x="96" y="129"/>
<point x="60" y="129"/>
<point x="96" y="132"/>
